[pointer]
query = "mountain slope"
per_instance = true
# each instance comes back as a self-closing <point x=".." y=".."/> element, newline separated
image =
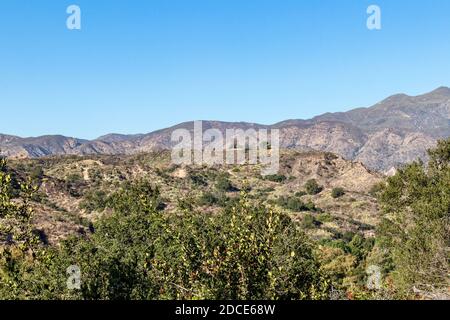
<point x="428" y="113"/>
<point x="396" y="130"/>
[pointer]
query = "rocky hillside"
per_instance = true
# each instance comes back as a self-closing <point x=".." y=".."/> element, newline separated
<point x="395" y="131"/>
<point x="74" y="190"/>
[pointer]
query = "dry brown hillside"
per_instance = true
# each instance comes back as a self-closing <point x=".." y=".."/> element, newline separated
<point x="72" y="189"/>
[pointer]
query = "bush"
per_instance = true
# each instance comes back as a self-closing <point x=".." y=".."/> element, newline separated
<point x="325" y="217"/>
<point x="377" y="189"/>
<point x="275" y="178"/>
<point x="312" y="187"/>
<point x="415" y="230"/>
<point x="139" y="196"/>
<point x="94" y="201"/>
<point x="309" y="222"/>
<point x="244" y="252"/>
<point x="223" y="184"/>
<point x="295" y="204"/>
<point x="74" y="184"/>
<point x="185" y="204"/>
<point x="19" y="240"/>
<point x="36" y="174"/>
<point x="300" y="194"/>
<point x="208" y="199"/>
<point x="95" y="175"/>
<point x="337" y="192"/>
<point x="198" y="180"/>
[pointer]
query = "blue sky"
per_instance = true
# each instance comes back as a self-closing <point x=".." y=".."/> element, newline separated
<point x="137" y="66"/>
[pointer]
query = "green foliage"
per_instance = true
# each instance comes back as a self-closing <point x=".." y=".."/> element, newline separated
<point x="214" y="198"/>
<point x="130" y="196"/>
<point x="73" y="184"/>
<point x="245" y="252"/>
<point x="324" y="217"/>
<point x="295" y="204"/>
<point x="309" y="222"/>
<point x="360" y="247"/>
<point x="140" y="196"/>
<point x="415" y="231"/>
<point x="337" y="192"/>
<point x="95" y="176"/>
<point x="276" y="178"/>
<point x="345" y="261"/>
<point x="377" y="189"/>
<point x="312" y="187"/>
<point x="241" y="254"/>
<point x="223" y="184"/>
<point x="198" y="180"/>
<point x="95" y="200"/>
<point x="186" y="204"/>
<point x="36" y="174"/>
<point x="20" y="242"/>
<point x="208" y="199"/>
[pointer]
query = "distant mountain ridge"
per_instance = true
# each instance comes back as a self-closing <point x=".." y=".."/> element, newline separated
<point x="395" y="131"/>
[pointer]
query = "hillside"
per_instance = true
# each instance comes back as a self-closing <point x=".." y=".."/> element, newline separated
<point x="322" y="218"/>
<point x="393" y="132"/>
<point x="73" y="188"/>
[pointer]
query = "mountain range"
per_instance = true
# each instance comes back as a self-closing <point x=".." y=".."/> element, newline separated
<point x="395" y="131"/>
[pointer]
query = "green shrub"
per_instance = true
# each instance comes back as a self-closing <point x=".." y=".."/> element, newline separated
<point x="312" y="187"/>
<point x="223" y="184"/>
<point x="74" y="184"/>
<point x="275" y="178"/>
<point x="208" y="199"/>
<point x="295" y="204"/>
<point x="309" y="222"/>
<point x="198" y="180"/>
<point x="324" y="217"/>
<point x="415" y="231"/>
<point x="300" y="194"/>
<point x="95" y="200"/>
<point x="376" y="189"/>
<point x="36" y="174"/>
<point x="243" y="252"/>
<point x="139" y="196"/>
<point x="310" y="206"/>
<point x="337" y="192"/>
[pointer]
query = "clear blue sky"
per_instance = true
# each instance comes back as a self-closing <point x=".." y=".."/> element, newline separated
<point x="137" y="66"/>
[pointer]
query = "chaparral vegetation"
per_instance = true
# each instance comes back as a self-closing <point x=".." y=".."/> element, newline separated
<point x="139" y="227"/>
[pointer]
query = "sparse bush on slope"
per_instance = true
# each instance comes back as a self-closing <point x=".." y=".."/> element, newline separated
<point x="337" y="192"/>
<point x="312" y="187"/>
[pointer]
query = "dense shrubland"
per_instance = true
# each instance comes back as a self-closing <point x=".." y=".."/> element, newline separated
<point x="414" y="236"/>
<point x="247" y="249"/>
<point x="138" y="252"/>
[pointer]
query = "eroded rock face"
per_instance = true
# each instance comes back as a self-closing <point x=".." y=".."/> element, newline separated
<point x="329" y="170"/>
<point x="339" y="138"/>
<point x="391" y="148"/>
<point x="395" y="131"/>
